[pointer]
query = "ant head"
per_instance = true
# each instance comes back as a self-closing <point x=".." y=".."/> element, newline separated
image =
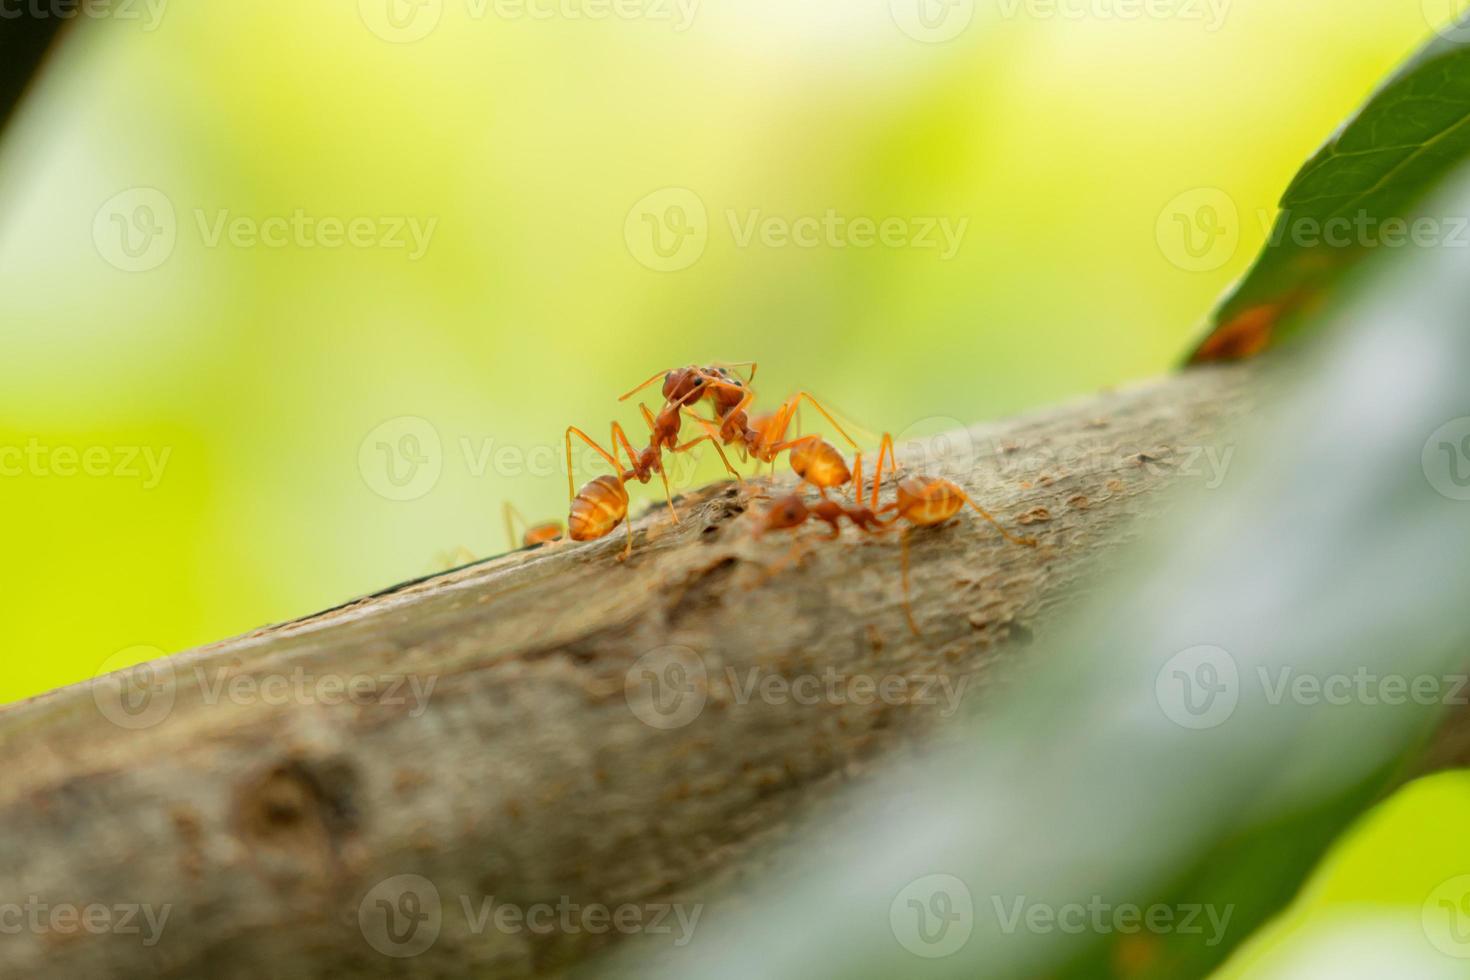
<point x="784" y="512"/>
<point x="725" y="375"/>
<point x="683" y="384"/>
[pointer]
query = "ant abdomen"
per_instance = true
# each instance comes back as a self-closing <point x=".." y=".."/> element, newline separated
<point x="819" y="463"/>
<point x="927" y="500"/>
<point x="599" y="507"/>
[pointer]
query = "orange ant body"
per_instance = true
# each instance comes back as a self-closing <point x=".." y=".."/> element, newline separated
<point x="922" y="501"/>
<point x="600" y="507"/>
<point x="602" y="504"/>
<point x="926" y="501"/>
<point x="534" y="535"/>
<point x="763" y="437"/>
<point x="687" y="385"/>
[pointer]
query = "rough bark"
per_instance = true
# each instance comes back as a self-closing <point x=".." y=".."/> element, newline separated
<point x="538" y="769"/>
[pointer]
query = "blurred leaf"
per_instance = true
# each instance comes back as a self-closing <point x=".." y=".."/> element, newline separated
<point x="1120" y="773"/>
<point x="1375" y="169"/>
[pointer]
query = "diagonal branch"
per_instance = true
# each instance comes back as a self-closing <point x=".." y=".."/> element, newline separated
<point x="553" y="726"/>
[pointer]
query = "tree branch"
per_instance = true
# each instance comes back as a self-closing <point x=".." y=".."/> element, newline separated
<point x="509" y="729"/>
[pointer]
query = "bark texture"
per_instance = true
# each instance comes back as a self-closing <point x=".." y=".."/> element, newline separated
<point x="551" y="727"/>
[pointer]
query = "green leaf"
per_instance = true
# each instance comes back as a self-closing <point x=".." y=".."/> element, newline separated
<point x="1118" y="773"/>
<point x="1354" y="197"/>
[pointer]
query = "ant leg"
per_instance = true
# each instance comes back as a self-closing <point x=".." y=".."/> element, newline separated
<point x="509" y="509"/>
<point x="747" y="396"/>
<point x="610" y="457"/>
<point x="657" y="377"/>
<point x="798" y="551"/>
<point x="1029" y="542"/>
<point x="735" y="364"/>
<point x="713" y="433"/>
<point x="620" y="438"/>
<point x="618" y="435"/>
<point x="888" y="508"/>
<point x="795" y="420"/>
<point x="663" y="473"/>
<point x="825" y="414"/>
<point x="884" y="449"/>
<point x="627" y="548"/>
<point x="723" y="458"/>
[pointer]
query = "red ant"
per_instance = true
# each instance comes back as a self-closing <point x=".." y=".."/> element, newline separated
<point x="813" y="459"/>
<point x="687" y="385"/>
<point x="602" y="504"/>
<point x="922" y="501"/>
<point x="535" y="535"/>
<point x="682" y="387"/>
<point x="763" y="436"/>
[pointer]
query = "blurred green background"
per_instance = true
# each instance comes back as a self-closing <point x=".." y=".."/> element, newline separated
<point x="296" y="295"/>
